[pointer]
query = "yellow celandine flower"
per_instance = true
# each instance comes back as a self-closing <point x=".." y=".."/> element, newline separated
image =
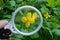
<point x="47" y="15"/>
<point x="29" y="19"/>
<point x="27" y="24"/>
<point x="28" y="15"/>
<point x="32" y="20"/>
<point x="35" y="15"/>
<point x="24" y="19"/>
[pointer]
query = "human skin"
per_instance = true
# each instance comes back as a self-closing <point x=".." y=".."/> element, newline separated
<point x="2" y="25"/>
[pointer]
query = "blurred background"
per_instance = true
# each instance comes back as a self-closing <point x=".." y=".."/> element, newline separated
<point x="50" y="10"/>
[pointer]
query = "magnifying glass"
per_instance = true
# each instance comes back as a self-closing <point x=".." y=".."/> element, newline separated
<point x="12" y="26"/>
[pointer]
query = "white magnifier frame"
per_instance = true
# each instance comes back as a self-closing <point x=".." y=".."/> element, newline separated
<point x="11" y="24"/>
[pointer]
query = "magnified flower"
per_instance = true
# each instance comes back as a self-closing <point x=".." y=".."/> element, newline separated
<point x="35" y="15"/>
<point x="32" y="20"/>
<point x="27" y="24"/>
<point x="47" y="15"/>
<point x="24" y="19"/>
<point x="29" y="19"/>
<point x="28" y="15"/>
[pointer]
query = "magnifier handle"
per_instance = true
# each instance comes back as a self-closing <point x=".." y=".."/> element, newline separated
<point x="11" y="27"/>
<point x="5" y="33"/>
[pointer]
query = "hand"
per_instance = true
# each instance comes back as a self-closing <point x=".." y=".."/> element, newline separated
<point x="2" y="24"/>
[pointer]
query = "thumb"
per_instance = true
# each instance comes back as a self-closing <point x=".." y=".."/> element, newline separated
<point x="3" y="23"/>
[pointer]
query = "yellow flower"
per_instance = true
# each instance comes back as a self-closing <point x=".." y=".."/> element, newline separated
<point x="24" y="19"/>
<point x="29" y="19"/>
<point x="32" y="20"/>
<point x="27" y="24"/>
<point x="47" y="15"/>
<point x="35" y="15"/>
<point x="28" y="15"/>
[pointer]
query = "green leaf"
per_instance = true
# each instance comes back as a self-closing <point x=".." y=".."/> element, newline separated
<point x="51" y="3"/>
<point x="19" y="36"/>
<point x="24" y="30"/>
<point x="57" y="32"/>
<point x="18" y="1"/>
<point x="17" y="18"/>
<point x="15" y="36"/>
<point x="54" y="30"/>
<point x="35" y="36"/>
<point x="12" y="3"/>
<point x="44" y="9"/>
<point x="30" y="0"/>
<point x="16" y="39"/>
<point x="18" y="26"/>
<point x="49" y="31"/>
<point x="58" y="2"/>
<point x="1" y="2"/>
<point x="7" y="16"/>
<point x="56" y="11"/>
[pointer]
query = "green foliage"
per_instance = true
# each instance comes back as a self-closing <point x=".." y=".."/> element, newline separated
<point x="35" y="36"/>
<point x="44" y="9"/>
<point x="1" y="2"/>
<point x="53" y="3"/>
<point x="18" y="1"/>
<point x="12" y="3"/>
<point x="51" y="26"/>
<point x="21" y="26"/>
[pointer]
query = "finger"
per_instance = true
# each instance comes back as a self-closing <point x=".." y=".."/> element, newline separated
<point x="3" y="23"/>
<point x="5" y="39"/>
<point x="8" y="39"/>
<point x="0" y="39"/>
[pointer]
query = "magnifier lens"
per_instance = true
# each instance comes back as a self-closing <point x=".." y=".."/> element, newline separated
<point x="27" y="20"/>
